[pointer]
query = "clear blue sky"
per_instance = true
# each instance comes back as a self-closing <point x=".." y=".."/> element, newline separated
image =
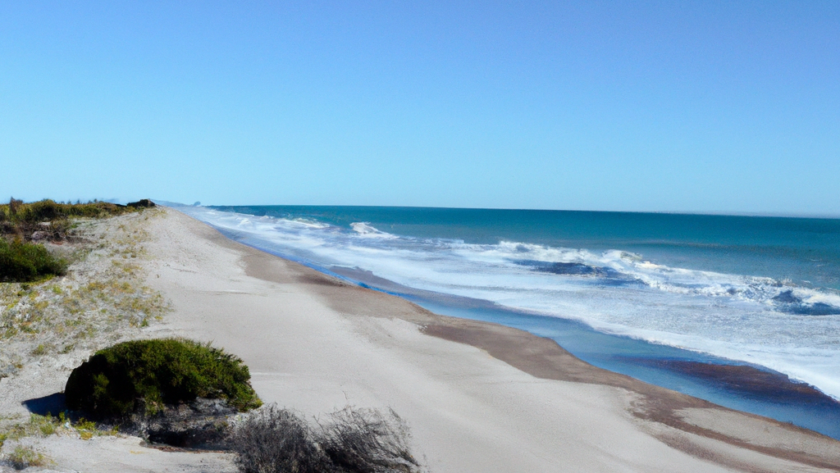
<point x="664" y="106"/>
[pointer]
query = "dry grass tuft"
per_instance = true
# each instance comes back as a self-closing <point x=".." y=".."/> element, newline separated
<point x="24" y="457"/>
<point x="352" y="441"/>
<point x="44" y="426"/>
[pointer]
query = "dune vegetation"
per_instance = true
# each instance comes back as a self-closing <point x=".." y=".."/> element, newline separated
<point x="143" y="376"/>
<point x="23" y="224"/>
<point x="18" y="213"/>
<point x="25" y="262"/>
<point x="102" y="297"/>
<point x="352" y="440"/>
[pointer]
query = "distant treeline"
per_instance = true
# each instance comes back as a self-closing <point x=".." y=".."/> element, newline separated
<point x="17" y="211"/>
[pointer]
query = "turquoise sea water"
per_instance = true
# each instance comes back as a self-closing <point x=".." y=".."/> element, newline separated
<point x="641" y="294"/>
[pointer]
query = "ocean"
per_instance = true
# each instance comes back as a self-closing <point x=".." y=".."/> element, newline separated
<point x="661" y="297"/>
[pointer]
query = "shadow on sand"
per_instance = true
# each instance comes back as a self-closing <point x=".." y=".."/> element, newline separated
<point x="52" y="404"/>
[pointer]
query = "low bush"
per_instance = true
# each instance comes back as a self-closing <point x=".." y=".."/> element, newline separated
<point x="24" y="262"/>
<point x="142" y="376"/>
<point x="353" y="441"/>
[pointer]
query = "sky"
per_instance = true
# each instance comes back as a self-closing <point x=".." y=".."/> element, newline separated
<point x="706" y="106"/>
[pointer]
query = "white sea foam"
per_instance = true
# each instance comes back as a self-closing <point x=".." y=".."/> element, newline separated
<point x="738" y="317"/>
<point x="365" y="230"/>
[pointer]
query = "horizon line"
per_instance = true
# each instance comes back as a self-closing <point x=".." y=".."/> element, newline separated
<point x="824" y="216"/>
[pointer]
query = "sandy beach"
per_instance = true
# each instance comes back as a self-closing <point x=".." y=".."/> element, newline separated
<point x="478" y="397"/>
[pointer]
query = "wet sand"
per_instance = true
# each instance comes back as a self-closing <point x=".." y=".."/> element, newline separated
<point x="731" y="384"/>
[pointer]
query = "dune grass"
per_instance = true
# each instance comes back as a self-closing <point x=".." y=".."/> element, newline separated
<point x="44" y="426"/>
<point x="24" y="457"/>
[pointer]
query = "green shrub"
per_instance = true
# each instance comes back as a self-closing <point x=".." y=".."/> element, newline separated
<point x="144" y="375"/>
<point x="20" y="261"/>
<point x="44" y="210"/>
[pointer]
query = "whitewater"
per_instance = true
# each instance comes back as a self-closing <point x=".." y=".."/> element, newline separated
<point x="784" y="325"/>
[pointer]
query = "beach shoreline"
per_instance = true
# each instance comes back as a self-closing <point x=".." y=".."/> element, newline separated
<point x="599" y="285"/>
<point x="704" y="431"/>
<point x="736" y="385"/>
<point x="477" y="396"/>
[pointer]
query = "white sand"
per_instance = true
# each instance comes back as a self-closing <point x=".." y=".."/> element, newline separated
<point x="311" y="347"/>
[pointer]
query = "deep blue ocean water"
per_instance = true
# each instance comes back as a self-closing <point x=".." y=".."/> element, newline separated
<point x="641" y="294"/>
